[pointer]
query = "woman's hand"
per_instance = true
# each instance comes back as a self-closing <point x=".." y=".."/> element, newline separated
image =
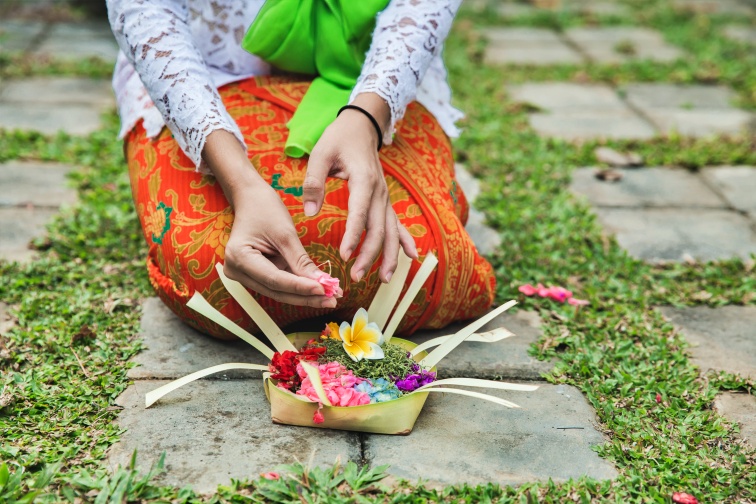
<point x="263" y="251"/>
<point x="348" y="150"/>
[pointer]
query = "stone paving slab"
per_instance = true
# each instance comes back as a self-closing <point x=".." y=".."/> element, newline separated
<point x="673" y="234"/>
<point x="722" y="339"/>
<point x="38" y="184"/>
<point x="462" y="440"/>
<point x="580" y="112"/>
<point x="714" y="6"/>
<point x="741" y="34"/>
<point x="557" y="96"/>
<point x="486" y="239"/>
<point x="736" y="183"/>
<point x="527" y="46"/>
<point x="55" y="90"/>
<point x="18" y="36"/>
<point x="73" y="119"/>
<point x="213" y="431"/>
<point x="174" y="349"/>
<point x="617" y="44"/>
<point x="695" y="110"/>
<point x="73" y="41"/>
<point x="646" y="187"/>
<point x="739" y="409"/>
<point x="18" y="226"/>
<point x="576" y="125"/>
<point x="597" y="8"/>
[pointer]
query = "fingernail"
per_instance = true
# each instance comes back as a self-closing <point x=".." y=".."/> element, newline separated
<point x="348" y="254"/>
<point x="358" y="275"/>
<point x="388" y="276"/>
<point x="329" y="303"/>
<point x="310" y="208"/>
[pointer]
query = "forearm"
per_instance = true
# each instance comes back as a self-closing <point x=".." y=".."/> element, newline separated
<point x="156" y="38"/>
<point x="228" y="162"/>
<point x="408" y="35"/>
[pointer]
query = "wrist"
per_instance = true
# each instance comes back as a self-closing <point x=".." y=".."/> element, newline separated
<point x="377" y="107"/>
<point x="228" y="162"/>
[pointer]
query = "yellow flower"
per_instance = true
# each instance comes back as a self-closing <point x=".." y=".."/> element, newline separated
<point x="331" y="331"/>
<point x="362" y="340"/>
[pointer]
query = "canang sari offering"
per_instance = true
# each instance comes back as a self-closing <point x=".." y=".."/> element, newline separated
<point x="353" y="375"/>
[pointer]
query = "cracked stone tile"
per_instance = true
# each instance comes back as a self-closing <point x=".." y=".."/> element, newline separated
<point x="739" y="409"/>
<point x="690" y="110"/>
<point x="618" y="44"/>
<point x="36" y="184"/>
<point x="212" y="431"/>
<point x="736" y="183"/>
<point x="18" y="227"/>
<point x="646" y="187"/>
<point x="580" y="112"/>
<point x="722" y="339"/>
<point x="462" y="440"/>
<point x="674" y="234"/>
<point x="527" y="46"/>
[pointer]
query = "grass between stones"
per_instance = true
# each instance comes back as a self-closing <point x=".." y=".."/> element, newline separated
<point x="65" y="360"/>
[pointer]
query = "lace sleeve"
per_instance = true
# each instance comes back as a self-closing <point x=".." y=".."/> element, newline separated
<point x="408" y="35"/>
<point x="156" y="38"/>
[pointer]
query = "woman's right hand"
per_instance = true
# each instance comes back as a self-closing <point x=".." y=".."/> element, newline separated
<point x="263" y="252"/>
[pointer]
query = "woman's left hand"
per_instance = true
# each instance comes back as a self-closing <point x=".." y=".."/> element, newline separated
<point x="348" y="150"/>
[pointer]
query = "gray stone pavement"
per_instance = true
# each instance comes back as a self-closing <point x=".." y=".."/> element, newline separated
<point x="740" y="33"/>
<point x="509" y="9"/>
<point x="61" y="41"/>
<point x="715" y="6"/>
<point x="54" y="104"/>
<point x="220" y="428"/>
<point x="541" y="46"/>
<point x="723" y="339"/>
<point x="573" y="111"/>
<point x="34" y="192"/>
<point x="580" y="111"/>
<point x="668" y="214"/>
<point x="739" y="409"/>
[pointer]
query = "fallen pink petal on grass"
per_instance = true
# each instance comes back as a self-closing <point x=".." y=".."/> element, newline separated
<point x="271" y="475"/>
<point x="684" y="498"/>
<point x="554" y="292"/>
<point x="577" y="302"/>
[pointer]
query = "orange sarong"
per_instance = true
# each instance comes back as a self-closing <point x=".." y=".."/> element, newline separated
<point x="187" y="220"/>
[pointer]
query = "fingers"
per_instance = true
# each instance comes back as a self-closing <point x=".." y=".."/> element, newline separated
<point x="375" y="226"/>
<point x="256" y="272"/>
<point x="299" y="261"/>
<point x="407" y="242"/>
<point x="314" y="184"/>
<point x="358" y="209"/>
<point x="390" y="246"/>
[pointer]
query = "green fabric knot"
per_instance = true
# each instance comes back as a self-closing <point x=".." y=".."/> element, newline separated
<point x="325" y="38"/>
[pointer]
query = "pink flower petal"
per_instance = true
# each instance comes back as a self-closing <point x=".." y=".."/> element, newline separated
<point x="271" y="475"/>
<point x="329" y="283"/>
<point x="558" y="294"/>
<point x="318" y="416"/>
<point x="577" y="302"/>
<point x="684" y="498"/>
<point x="527" y="289"/>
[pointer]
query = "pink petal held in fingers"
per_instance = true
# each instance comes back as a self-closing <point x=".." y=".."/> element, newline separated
<point x="329" y="283"/>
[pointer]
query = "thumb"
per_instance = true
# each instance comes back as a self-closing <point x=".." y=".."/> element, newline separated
<point x="297" y="258"/>
<point x="314" y="184"/>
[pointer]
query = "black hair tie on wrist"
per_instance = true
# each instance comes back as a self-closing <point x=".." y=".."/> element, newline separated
<point x="369" y="116"/>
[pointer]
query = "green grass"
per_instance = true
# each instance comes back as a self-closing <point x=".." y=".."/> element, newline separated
<point x="65" y="361"/>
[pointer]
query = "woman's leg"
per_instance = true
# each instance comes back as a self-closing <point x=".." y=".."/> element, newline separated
<point x="186" y="219"/>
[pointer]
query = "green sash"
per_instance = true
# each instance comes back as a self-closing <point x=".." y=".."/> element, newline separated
<point x="326" y="38"/>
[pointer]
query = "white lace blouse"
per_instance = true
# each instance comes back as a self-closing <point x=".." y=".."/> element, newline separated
<point x="176" y="53"/>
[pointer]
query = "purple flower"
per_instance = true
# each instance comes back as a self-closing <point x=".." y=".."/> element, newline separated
<point x="414" y="381"/>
